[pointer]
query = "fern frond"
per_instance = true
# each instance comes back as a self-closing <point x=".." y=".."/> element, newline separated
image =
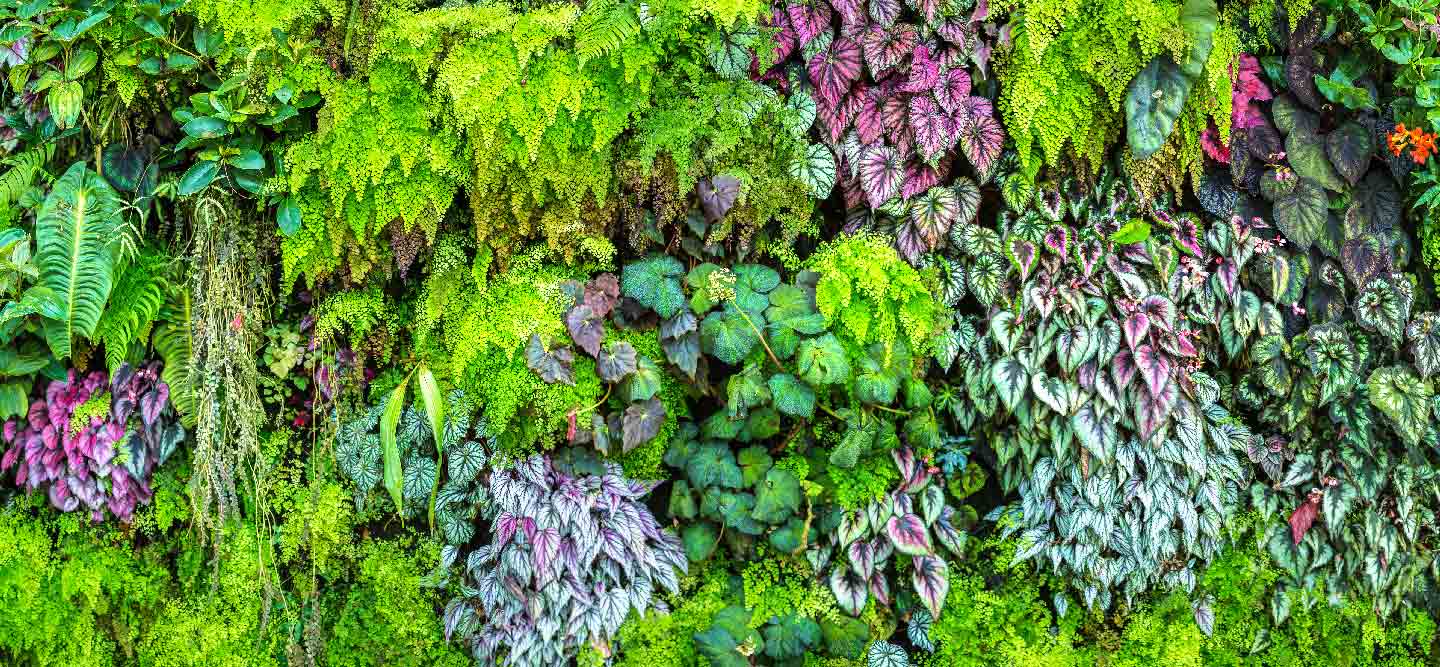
<point x="604" y="27"/>
<point x="134" y="304"/>
<point x="21" y="173"/>
<point x="173" y="344"/>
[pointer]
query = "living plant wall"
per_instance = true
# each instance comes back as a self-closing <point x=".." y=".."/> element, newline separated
<point x="804" y="333"/>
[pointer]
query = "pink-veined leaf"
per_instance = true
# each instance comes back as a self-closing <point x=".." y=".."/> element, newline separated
<point x="881" y="172"/>
<point x="908" y="535"/>
<point x="1228" y="273"/>
<point x="851" y="189"/>
<point x="1154" y="366"/>
<point x="933" y="133"/>
<point x="924" y="72"/>
<point x="1088" y="253"/>
<point x="909" y="242"/>
<point x="981" y="139"/>
<point x="785" y="39"/>
<point x="930" y="9"/>
<point x="1187" y="236"/>
<point x="957" y="31"/>
<point x="894" y="114"/>
<point x="920" y="177"/>
<point x="884" y="11"/>
<point x="809" y="18"/>
<point x="834" y="68"/>
<point x="852" y="12"/>
<point x="1136" y="326"/>
<point x="886" y="47"/>
<point x="836" y="118"/>
<point x="982" y="11"/>
<point x="932" y="582"/>
<point x="954" y="90"/>
<point x="544" y="550"/>
<point x="973" y="106"/>
<point x="1302" y="518"/>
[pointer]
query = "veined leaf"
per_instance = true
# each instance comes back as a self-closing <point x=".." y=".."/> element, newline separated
<point x="390" y="447"/>
<point x="77" y="238"/>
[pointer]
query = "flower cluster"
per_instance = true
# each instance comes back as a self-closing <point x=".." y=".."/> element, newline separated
<point x="1420" y="143"/>
<point x="103" y="460"/>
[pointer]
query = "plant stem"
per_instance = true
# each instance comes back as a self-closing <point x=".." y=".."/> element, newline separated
<point x="762" y="337"/>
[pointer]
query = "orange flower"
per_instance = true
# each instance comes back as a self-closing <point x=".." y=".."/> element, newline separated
<point x="1420" y="142"/>
<point x="1398" y="139"/>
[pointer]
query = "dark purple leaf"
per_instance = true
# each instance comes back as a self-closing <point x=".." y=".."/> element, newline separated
<point x="552" y="366"/>
<point x="1057" y="240"/>
<point x="786" y="41"/>
<point x="833" y="69"/>
<point x="586" y="328"/>
<point x="932" y="582"/>
<point x="642" y="423"/>
<point x="617" y="361"/>
<point x="717" y="195"/>
<point x="881" y="172"/>
<point x="1300" y="70"/>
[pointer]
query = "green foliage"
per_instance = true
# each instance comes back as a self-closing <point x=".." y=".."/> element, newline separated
<point x="869" y="296"/>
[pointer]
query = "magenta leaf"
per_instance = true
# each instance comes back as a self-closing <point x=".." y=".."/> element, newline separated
<point x="809" y="18"/>
<point x="1153" y="410"/>
<point x="932" y="582"/>
<point x="1136" y="326"/>
<point x="957" y="31"/>
<point x="981" y="139"/>
<point x="836" y="117"/>
<point x="1023" y="253"/>
<point x="880" y="588"/>
<point x="908" y="534"/>
<point x="1123" y="368"/>
<point x="505" y="526"/>
<point x="932" y="131"/>
<point x="886" y="47"/>
<point x="1154" y="367"/>
<point x="894" y="113"/>
<point x="1088" y="252"/>
<point x="869" y="123"/>
<point x="954" y="90"/>
<point x="833" y="69"/>
<point x="1161" y="311"/>
<point x="881" y="172"/>
<point x="1187" y="236"/>
<point x="924" y="72"/>
<point x="1057" y="240"/>
<point x="852" y="12"/>
<point x="1302" y="518"/>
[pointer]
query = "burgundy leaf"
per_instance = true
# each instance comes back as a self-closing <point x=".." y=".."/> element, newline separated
<point x="920" y="177"/>
<point x="602" y="293"/>
<point x="1303" y="517"/>
<point x="893" y="114"/>
<point x="1154" y="367"/>
<point x="932" y="131"/>
<point x="718" y="195"/>
<point x="880" y="588"/>
<point x="834" y="68"/>
<point x="852" y="12"/>
<point x="884" y="11"/>
<point x="932" y="582"/>
<point x="924" y="72"/>
<point x="809" y="18"/>
<point x="981" y="139"/>
<point x="836" y="118"/>
<point x="786" y="41"/>
<point x="954" y="90"/>
<point x="1123" y="368"/>
<point x="869" y="122"/>
<point x="908" y="535"/>
<point x="881" y="172"/>
<point x="1153" y="410"/>
<point x="852" y="191"/>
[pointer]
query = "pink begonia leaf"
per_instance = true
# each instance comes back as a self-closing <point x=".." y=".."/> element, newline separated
<point x="894" y="114"/>
<point x="852" y="12"/>
<point x="909" y="242"/>
<point x="932" y="582"/>
<point x="1057" y="240"/>
<point x="880" y="588"/>
<point x="881" y="172"/>
<point x="836" y="119"/>
<point x="1154" y="367"/>
<point x="809" y="18"/>
<point x="1210" y="142"/>
<point x="833" y="69"/>
<point x="786" y="41"/>
<point x="924" y="72"/>
<point x="869" y="123"/>
<point x="954" y="90"/>
<point x="1152" y="411"/>
<point x="981" y="139"/>
<point x="1122" y="367"/>
<point x="1187" y="235"/>
<point x="1136" y="327"/>
<point x="933" y="134"/>
<point x="930" y="9"/>
<point x="884" y="11"/>
<point x="886" y="47"/>
<point x="908" y="535"/>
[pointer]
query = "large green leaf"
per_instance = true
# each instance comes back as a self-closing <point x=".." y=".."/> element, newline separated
<point x="1404" y="398"/>
<point x="1157" y="95"/>
<point x="390" y="446"/>
<point x="1307" y="154"/>
<point x="77" y="233"/>
<point x="727" y="335"/>
<point x="1301" y="215"/>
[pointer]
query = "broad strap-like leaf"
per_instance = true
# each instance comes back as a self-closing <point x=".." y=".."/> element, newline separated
<point x="390" y="446"/>
<point x="77" y="234"/>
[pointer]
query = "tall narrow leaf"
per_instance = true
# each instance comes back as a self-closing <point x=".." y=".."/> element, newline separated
<point x="389" y="447"/>
<point x="76" y="235"/>
<point x="435" y="412"/>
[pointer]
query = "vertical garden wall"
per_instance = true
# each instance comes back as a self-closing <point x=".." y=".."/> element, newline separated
<point x="736" y="333"/>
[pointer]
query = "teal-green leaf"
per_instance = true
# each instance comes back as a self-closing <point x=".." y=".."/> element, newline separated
<point x="726" y="335"/>
<point x="791" y="396"/>
<point x="655" y="283"/>
<point x="1157" y="95"/>
<point x="822" y="361"/>
<point x="197" y="177"/>
<point x="206" y="127"/>
<point x="777" y="497"/>
<point x="1404" y="398"/>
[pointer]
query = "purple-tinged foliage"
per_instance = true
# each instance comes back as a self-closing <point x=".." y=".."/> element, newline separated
<point x="571" y="555"/>
<point x="100" y="463"/>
